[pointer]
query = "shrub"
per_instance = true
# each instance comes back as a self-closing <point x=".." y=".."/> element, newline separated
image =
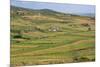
<point x="18" y="36"/>
<point x="81" y="59"/>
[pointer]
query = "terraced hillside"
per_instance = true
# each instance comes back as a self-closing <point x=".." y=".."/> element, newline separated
<point x="49" y="37"/>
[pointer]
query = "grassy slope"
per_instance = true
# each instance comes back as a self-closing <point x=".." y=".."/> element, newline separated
<point x="73" y="43"/>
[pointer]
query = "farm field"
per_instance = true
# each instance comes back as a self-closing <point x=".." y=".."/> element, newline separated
<point x="49" y="37"/>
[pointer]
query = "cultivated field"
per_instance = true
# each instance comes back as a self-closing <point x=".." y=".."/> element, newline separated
<point x="49" y="37"/>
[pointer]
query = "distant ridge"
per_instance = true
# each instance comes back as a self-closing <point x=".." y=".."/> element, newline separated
<point x="51" y="12"/>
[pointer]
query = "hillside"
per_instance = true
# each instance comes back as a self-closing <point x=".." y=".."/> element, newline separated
<point x="47" y="37"/>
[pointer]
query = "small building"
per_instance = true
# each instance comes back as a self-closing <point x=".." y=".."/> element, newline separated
<point x="54" y="29"/>
<point x="20" y="12"/>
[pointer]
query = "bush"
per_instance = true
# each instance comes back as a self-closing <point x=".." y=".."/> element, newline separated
<point x="81" y="59"/>
<point x="18" y="36"/>
<point x="84" y="59"/>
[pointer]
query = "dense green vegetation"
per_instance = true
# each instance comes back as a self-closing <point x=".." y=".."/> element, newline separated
<point x="49" y="37"/>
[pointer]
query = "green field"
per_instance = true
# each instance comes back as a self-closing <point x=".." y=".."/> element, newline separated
<point x="49" y="37"/>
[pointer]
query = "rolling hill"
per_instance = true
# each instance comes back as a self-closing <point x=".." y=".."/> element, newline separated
<point x="45" y="36"/>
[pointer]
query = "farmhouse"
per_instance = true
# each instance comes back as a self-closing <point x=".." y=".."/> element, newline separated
<point x="54" y="29"/>
<point x="20" y="12"/>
